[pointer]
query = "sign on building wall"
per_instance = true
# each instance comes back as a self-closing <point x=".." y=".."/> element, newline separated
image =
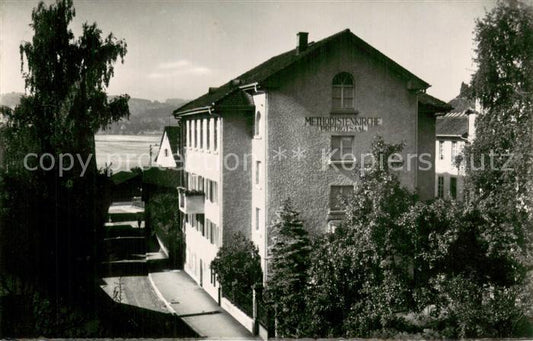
<point x="343" y="124"/>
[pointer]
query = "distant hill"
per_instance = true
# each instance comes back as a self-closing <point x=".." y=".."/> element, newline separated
<point x="10" y="99"/>
<point x="146" y="116"/>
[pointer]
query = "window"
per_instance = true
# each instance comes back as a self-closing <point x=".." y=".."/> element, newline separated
<point x="195" y="129"/>
<point x="213" y="276"/>
<point x="343" y="91"/>
<point x="166" y="152"/>
<point x="453" y="187"/>
<point x="208" y="135"/>
<point x="440" y="187"/>
<point x="257" y="214"/>
<point x="191" y="181"/>
<point x="257" y="172"/>
<point x="188" y="137"/>
<point x="195" y="182"/>
<point x="216" y="235"/>
<point x="210" y="231"/>
<point x="257" y="123"/>
<point x="215" y="133"/>
<point x="211" y="190"/>
<point x="201" y="127"/>
<point x="200" y="223"/>
<point x="455" y="151"/>
<point x="200" y="183"/>
<point x="441" y="150"/>
<point x="336" y="196"/>
<point x="342" y="148"/>
<point x="194" y="221"/>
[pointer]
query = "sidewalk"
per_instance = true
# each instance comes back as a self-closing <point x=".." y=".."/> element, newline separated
<point x="195" y="307"/>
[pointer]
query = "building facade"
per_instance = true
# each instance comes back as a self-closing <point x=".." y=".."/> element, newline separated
<point x="454" y="131"/>
<point x="168" y="154"/>
<point x="297" y="126"/>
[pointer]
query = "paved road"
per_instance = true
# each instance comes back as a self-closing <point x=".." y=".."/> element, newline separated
<point x="135" y="290"/>
<point x="196" y="307"/>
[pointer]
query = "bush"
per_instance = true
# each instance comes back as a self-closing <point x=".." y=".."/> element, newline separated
<point x="164" y="219"/>
<point x="397" y="267"/>
<point x="237" y="266"/>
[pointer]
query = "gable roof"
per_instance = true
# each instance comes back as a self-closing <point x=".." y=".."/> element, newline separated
<point x="124" y="176"/>
<point x="452" y="124"/>
<point x="429" y="103"/>
<point x="173" y="135"/>
<point x="168" y="178"/>
<point x="455" y="123"/>
<point x="265" y="71"/>
<point x="461" y="104"/>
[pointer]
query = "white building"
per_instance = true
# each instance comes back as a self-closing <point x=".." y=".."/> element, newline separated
<point x="454" y="131"/>
<point x="264" y="137"/>
<point x="168" y="154"/>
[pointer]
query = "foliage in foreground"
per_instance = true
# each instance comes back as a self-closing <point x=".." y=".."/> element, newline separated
<point x="238" y="266"/>
<point x="399" y="267"/>
<point x="164" y="220"/>
<point x="286" y="286"/>
<point x="51" y="219"/>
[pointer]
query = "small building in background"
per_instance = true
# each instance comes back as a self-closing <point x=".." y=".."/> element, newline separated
<point x="168" y="154"/>
<point x="126" y="186"/>
<point x="454" y="131"/>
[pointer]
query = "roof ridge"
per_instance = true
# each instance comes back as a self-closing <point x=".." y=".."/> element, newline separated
<point x="284" y="60"/>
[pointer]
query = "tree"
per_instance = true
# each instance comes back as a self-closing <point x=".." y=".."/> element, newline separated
<point x="238" y="266"/>
<point x="499" y="167"/>
<point x="360" y="275"/>
<point x="52" y="218"/>
<point x="502" y="188"/>
<point x="287" y="282"/>
<point x="67" y="79"/>
<point x="400" y="267"/>
<point x="164" y="220"/>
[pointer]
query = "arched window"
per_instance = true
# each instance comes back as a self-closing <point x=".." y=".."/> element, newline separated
<point x="257" y="123"/>
<point x="343" y="91"/>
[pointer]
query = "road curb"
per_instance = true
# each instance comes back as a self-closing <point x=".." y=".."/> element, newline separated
<point x="169" y="306"/>
<point x="160" y="295"/>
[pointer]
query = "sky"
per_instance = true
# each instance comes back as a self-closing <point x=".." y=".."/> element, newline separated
<point x="178" y="49"/>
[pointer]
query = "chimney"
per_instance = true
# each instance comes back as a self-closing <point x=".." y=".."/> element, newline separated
<point x="302" y="42"/>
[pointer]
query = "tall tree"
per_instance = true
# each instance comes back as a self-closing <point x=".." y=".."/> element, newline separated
<point x="503" y="84"/>
<point x="58" y="212"/>
<point x="360" y="274"/>
<point x="287" y="282"/>
<point x="67" y="79"/>
<point x="500" y="160"/>
<point x="398" y="267"/>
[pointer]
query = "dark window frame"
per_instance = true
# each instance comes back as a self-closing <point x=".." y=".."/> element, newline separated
<point x="343" y="92"/>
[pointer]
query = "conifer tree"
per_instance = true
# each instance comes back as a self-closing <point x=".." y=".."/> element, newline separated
<point x="287" y="281"/>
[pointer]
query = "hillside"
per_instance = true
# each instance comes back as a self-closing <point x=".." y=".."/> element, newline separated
<point x="10" y="99"/>
<point x="146" y="116"/>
